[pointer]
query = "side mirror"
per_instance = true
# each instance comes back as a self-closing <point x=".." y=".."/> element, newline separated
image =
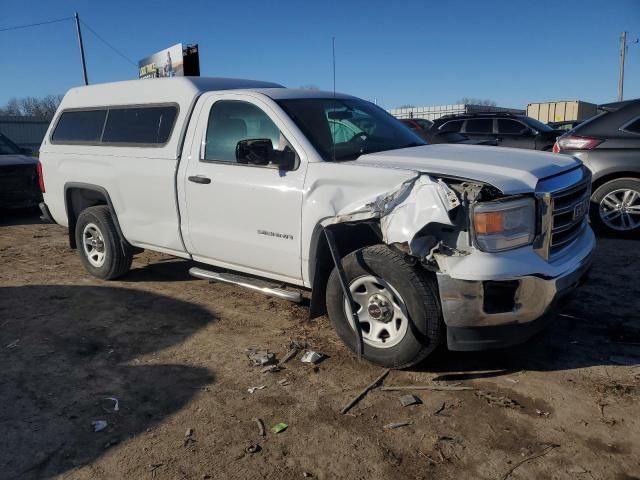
<point x="258" y="151"/>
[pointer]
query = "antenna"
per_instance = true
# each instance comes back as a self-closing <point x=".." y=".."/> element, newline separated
<point x="333" y="132"/>
<point x="333" y="51"/>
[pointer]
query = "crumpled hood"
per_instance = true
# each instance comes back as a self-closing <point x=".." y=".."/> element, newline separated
<point x="7" y="160"/>
<point x="511" y="170"/>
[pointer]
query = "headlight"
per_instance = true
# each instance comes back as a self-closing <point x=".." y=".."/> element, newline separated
<point x="504" y="225"/>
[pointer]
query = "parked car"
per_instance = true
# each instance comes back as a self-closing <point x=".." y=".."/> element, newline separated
<point x="609" y="145"/>
<point x="407" y="246"/>
<point x="565" y="125"/>
<point x="423" y="128"/>
<point x="505" y="129"/>
<point x="18" y="176"/>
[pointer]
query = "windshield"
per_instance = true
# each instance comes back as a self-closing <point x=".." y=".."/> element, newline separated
<point x="344" y="129"/>
<point x="7" y="147"/>
<point x="541" y="127"/>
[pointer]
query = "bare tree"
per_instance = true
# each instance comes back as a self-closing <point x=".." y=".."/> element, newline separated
<point x="477" y="101"/>
<point x="32" y="107"/>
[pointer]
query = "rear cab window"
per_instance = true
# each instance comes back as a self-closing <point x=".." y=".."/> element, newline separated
<point x="126" y="126"/>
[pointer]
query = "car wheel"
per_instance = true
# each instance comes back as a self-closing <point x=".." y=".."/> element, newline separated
<point x="99" y="244"/>
<point x="397" y="305"/>
<point x="615" y="207"/>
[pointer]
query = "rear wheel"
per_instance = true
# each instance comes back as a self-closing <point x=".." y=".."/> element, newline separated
<point x="397" y="306"/>
<point x="615" y="207"/>
<point x="99" y="244"/>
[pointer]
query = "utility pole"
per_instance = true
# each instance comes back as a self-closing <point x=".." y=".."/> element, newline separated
<point x="84" y="64"/>
<point x="624" y="44"/>
<point x="623" y="48"/>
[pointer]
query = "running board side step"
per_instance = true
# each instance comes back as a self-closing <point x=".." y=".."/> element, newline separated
<point x="247" y="282"/>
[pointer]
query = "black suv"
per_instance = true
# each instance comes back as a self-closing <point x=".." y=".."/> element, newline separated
<point x="505" y="129"/>
<point x="609" y="145"/>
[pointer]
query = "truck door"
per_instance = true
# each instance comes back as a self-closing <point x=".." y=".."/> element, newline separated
<point x="242" y="216"/>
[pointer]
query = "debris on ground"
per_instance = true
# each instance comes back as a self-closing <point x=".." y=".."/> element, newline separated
<point x="440" y="409"/>
<point x="262" y="358"/>
<point x="498" y="400"/>
<point x="294" y="348"/>
<point x="279" y="427"/>
<point x="406" y="400"/>
<point x="544" y="451"/>
<point x="188" y="437"/>
<point x="260" y="425"/>
<point x="391" y="426"/>
<point x="13" y="344"/>
<point x="253" y="389"/>
<point x="253" y="448"/>
<point x="542" y="413"/>
<point x="444" y="388"/>
<point x="311" y="357"/>
<point x="366" y="390"/>
<point x="99" y="425"/>
<point x="116" y="406"/>
<point x="284" y="382"/>
<point x="271" y="368"/>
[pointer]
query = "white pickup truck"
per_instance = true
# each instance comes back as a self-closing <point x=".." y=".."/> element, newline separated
<point x="405" y="245"/>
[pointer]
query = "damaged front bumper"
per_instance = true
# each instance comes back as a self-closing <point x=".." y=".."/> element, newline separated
<point x="499" y="311"/>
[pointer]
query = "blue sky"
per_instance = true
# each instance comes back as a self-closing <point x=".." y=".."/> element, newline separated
<point x="413" y="52"/>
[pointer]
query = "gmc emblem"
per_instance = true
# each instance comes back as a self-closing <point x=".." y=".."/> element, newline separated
<point x="580" y="210"/>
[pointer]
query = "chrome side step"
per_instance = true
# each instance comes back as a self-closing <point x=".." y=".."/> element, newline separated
<point x="248" y="283"/>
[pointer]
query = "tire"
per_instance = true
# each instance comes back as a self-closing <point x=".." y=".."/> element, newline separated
<point x="410" y="288"/>
<point x="99" y="244"/>
<point x="608" y="216"/>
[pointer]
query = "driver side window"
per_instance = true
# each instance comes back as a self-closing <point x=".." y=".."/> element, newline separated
<point x="231" y="121"/>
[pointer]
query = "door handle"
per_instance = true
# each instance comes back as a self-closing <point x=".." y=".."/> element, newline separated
<point x="200" y="179"/>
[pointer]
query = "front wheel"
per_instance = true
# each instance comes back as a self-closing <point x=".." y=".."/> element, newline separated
<point x="397" y="306"/>
<point x="615" y="207"/>
<point x="99" y="244"/>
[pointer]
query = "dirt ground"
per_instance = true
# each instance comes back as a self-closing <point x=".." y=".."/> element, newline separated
<point x="172" y="350"/>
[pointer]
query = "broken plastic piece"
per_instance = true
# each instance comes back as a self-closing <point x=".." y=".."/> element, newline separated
<point x="99" y="425"/>
<point x="280" y="427"/>
<point x="253" y="389"/>
<point x="311" y="357"/>
<point x="406" y="400"/>
<point x="116" y="407"/>
<point x="262" y="358"/>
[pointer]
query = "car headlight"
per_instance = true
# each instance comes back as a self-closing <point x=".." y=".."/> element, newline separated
<point x="504" y="225"/>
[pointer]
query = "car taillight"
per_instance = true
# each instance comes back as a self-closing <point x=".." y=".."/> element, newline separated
<point x="40" y="177"/>
<point x="577" y="142"/>
<point x="556" y="147"/>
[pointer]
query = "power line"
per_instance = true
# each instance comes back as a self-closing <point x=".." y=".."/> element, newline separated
<point x="18" y="27"/>
<point x="108" y="44"/>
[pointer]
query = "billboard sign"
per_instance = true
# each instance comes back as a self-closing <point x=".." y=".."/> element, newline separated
<point x="174" y="61"/>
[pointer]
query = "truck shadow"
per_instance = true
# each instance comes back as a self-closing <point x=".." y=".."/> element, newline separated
<point x="22" y="216"/>
<point x="601" y="322"/>
<point x="64" y="349"/>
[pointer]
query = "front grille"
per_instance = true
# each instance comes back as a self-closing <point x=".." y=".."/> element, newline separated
<point x="570" y="209"/>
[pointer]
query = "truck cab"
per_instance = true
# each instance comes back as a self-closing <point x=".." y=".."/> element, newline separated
<point x="405" y="245"/>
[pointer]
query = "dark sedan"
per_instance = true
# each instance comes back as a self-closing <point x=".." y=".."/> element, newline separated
<point x="19" y="187"/>
<point x="609" y="145"/>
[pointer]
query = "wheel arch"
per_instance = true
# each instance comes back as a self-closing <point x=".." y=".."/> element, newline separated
<point x="616" y="175"/>
<point x="349" y="237"/>
<point x="80" y="196"/>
